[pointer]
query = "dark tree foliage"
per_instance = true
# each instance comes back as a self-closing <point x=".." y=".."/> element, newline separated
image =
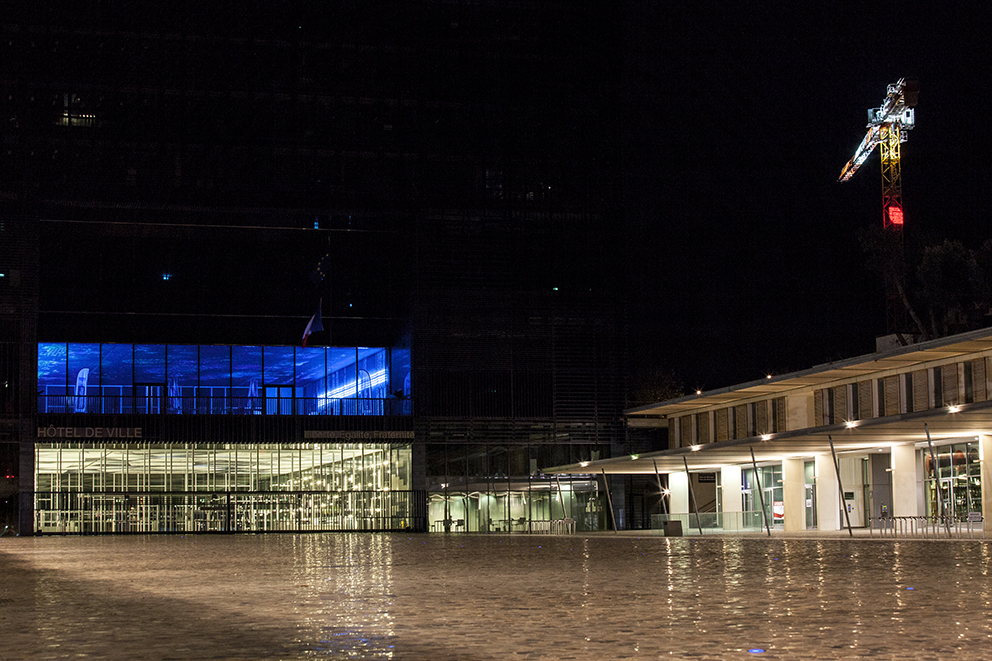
<point x="945" y="287"/>
<point x="654" y="383"/>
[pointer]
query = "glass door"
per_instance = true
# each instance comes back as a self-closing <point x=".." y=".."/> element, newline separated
<point x="810" y="507"/>
<point x="809" y="471"/>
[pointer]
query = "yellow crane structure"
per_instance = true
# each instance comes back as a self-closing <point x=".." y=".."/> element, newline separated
<point x="887" y="126"/>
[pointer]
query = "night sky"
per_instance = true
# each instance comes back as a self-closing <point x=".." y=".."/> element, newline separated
<point x="743" y="116"/>
<point x="736" y="119"/>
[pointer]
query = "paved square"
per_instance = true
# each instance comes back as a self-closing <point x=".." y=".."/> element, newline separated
<point x="473" y="597"/>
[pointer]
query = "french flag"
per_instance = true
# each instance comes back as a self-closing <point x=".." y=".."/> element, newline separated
<point x="313" y="326"/>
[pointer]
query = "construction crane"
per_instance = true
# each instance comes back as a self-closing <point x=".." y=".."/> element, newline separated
<point x="887" y="126"/>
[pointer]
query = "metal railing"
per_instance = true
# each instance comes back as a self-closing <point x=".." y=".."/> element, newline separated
<point x="927" y="527"/>
<point x="223" y="405"/>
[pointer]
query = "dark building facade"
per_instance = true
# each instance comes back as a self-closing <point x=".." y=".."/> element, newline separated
<point x="183" y="188"/>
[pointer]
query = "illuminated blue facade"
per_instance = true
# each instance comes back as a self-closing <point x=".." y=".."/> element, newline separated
<point x="222" y="379"/>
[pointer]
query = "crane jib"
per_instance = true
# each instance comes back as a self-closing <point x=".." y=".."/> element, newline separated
<point x="887" y="126"/>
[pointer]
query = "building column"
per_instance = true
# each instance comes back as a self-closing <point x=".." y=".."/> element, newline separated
<point x="828" y="516"/>
<point x="985" y="451"/>
<point x="794" y="494"/>
<point x="25" y="487"/>
<point x="678" y="486"/>
<point x="905" y="488"/>
<point x="732" y="497"/>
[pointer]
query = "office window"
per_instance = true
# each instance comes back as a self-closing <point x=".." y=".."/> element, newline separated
<point x="840" y="408"/>
<point x="685" y="431"/>
<point x="761" y="423"/>
<point x="721" y="425"/>
<point x="920" y="391"/>
<point x="703" y="427"/>
<point x="779" y="415"/>
<point x="950" y="384"/>
<point x="864" y="400"/>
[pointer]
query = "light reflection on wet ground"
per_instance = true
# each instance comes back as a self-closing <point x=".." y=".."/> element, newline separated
<point x="380" y="596"/>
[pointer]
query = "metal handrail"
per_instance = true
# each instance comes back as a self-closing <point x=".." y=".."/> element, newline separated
<point x="925" y="527"/>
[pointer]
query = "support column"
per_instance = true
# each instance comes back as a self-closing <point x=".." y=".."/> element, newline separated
<point x="828" y="495"/>
<point x="678" y="485"/>
<point x="905" y="489"/>
<point x="794" y="494"/>
<point x="25" y="486"/>
<point x="985" y="456"/>
<point x="732" y="497"/>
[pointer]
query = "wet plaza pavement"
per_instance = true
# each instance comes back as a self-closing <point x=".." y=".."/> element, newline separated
<point x="473" y="597"/>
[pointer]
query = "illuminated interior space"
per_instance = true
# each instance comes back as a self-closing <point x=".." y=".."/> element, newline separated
<point x="539" y="506"/>
<point x="215" y="487"/>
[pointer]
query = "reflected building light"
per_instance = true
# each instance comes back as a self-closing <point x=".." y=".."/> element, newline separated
<point x="348" y="389"/>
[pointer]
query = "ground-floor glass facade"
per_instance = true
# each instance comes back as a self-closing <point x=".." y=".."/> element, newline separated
<point x="223" y="487"/>
<point x="958" y="476"/>
<point x="537" y="506"/>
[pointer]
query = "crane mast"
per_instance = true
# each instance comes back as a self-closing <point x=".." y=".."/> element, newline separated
<point x="887" y="126"/>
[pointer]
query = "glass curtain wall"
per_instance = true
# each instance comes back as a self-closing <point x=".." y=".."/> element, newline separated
<point x="222" y="380"/>
<point x="538" y="507"/>
<point x="179" y="487"/>
<point x="957" y="480"/>
<point x="498" y="488"/>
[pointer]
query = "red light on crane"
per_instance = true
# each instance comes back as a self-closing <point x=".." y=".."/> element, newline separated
<point x="895" y="215"/>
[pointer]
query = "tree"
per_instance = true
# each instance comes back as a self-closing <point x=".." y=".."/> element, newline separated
<point x="949" y="283"/>
<point x="886" y="257"/>
<point x="653" y="383"/>
<point x="946" y="287"/>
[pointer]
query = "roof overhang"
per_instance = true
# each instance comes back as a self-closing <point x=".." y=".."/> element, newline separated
<point x="948" y="424"/>
<point x="871" y="365"/>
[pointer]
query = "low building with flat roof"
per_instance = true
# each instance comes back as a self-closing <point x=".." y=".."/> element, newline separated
<point x="893" y="440"/>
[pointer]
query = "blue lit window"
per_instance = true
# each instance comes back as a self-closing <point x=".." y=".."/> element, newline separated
<point x="222" y="380"/>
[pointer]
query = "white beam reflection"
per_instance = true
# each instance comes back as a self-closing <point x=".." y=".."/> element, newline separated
<point x="349" y="389"/>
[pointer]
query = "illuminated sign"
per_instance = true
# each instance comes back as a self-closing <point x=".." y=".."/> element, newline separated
<point x="359" y="435"/>
<point x="895" y="215"/>
<point x="89" y="432"/>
